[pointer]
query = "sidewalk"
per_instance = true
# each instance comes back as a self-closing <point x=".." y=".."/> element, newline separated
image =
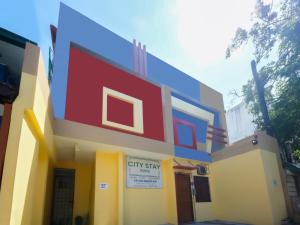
<point x="213" y="222"/>
<point x="216" y="222"/>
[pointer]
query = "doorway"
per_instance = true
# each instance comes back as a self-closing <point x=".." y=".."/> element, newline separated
<point x="184" y="200"/>
<point x="63" y="197"/>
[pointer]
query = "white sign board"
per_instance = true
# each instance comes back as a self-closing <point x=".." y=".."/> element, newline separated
<point x="143" y="173"/>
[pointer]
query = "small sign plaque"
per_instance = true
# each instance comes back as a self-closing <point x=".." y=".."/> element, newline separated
<point x="103" y="186"/>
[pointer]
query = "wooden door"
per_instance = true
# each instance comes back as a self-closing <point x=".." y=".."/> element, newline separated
<point x="185" y="212"/>
<point x="63" y="196"/>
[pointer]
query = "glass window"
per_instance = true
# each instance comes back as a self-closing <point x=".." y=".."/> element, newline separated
<point x="202" y="189"/>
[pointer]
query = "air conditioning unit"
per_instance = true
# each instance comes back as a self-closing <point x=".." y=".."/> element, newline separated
<point x="202" y="170"/>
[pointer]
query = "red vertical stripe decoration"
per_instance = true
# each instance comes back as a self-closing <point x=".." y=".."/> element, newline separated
<point x="139" y="58"/>
<point x="216" y="134"/>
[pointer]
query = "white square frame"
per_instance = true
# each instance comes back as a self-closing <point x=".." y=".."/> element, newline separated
<point x="138" y="125"/>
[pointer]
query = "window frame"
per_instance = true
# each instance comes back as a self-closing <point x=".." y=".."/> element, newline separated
<point x="177" y="121"/>
<point x="199" y="183"/>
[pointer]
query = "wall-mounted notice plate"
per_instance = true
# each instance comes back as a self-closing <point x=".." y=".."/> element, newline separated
<point x="103" y="186"/>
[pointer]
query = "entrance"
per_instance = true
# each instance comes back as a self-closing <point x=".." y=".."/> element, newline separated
<point x="63" y="195"/>
<point x="184" y="199"/>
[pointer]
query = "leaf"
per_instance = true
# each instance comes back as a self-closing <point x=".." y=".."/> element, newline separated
<point x="275" y="32"/>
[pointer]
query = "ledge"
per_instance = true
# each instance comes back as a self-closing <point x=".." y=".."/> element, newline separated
<point x="265" y="142"/>
<point x="75" y="130"/>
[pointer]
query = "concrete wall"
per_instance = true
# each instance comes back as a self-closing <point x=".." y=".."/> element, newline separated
<point x="152" y="206"/>
<point x="170" y="191"/>
<point x="113" y="48"/>
<point x="274" y="186"/>
<point x="145" y="206"/>
<point x="29" y="149"/>
<point x="92" y="194"/>
<point x="107" y="204"/>
<point x="121" y="205"/>
<point x="213" y="99"/>
<point x="244" y="179"/>
<point x="241" y="189"/>
<point x="82" y="188"/>
<point x="244" y="187"/>
<point x="247" y="182"/>
<point x="203" y="211"/>
<point x="21" y="211"/>
<point x="239" y="122"/>
<point x="42" y="189"/>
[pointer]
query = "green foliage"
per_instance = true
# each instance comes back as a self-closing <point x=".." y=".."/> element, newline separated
<point x="275" y="34"/>
<point x="296" y="154"/>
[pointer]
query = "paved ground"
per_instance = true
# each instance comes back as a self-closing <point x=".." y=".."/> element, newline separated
<point x="217" y="222"/>
<point x="214" y="222"/>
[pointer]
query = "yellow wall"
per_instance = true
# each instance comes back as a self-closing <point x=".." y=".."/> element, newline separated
<point x="39" y="189"/>
<point x="83" y="182"/>
<point x="120" y="188"/>
<point x="106" y="200"/>
<point x="244" y="188"/>
<point x="25" y="99"/>
<point x="29" y="192"/>
<point x="274" y="186"/>
<point x="152" y="206"/>
<point x="25" y="172"/>
<point x="48" y="194"/>
<point x="28" y="205"/>
<point x="203" y="211"/>
<point x="241" y="188"/>
<point x="27" y="165"/>
<point x="131" y="206"/>
<point x="145" y="206"/>
<point x="92" y="196"/>
<point x="169" y="191"/>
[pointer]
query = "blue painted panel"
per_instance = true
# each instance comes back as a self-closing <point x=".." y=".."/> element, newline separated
<point x="215" y="146"/>
<point x="201" y="125"/>
<point x="185" y="134"/>
<point x="192" y="154"/>
<point x="165" y="74"/>
<point x="76" y="28"/>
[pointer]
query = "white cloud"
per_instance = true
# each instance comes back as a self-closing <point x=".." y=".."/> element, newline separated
<point x="205" y="27"/>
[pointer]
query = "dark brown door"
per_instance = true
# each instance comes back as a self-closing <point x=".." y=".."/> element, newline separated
<point x="184" y="199"/>
<point x="63" y="195"/>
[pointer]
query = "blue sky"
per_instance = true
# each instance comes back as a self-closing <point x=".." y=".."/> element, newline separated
<point x="191" y="35"/>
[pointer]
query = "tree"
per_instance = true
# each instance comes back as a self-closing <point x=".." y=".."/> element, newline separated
<point x="275" y="35"/>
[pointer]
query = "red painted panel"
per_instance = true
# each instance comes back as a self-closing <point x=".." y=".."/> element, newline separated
<point x="86" y="78"/>
<point x="119" y="111"/>
<point x="188" y="124"/>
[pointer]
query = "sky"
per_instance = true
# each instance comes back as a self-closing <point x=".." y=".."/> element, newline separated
<point x="191" y="35"/>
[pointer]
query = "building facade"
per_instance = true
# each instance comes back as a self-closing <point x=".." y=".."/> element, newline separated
<point x="239" y="122"/>
<point x="121" y="137"/>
